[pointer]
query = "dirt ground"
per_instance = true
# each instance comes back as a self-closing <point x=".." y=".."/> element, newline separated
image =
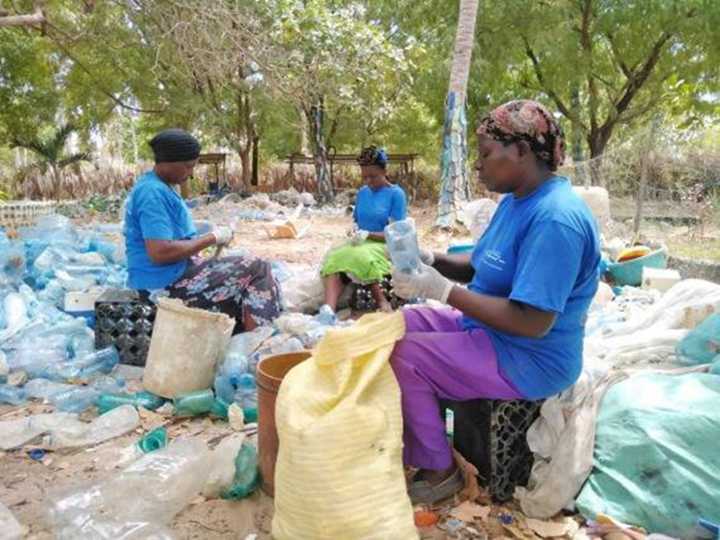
<point x="25" y="484"/>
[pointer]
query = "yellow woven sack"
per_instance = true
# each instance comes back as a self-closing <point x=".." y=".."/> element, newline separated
<point x="339" y="472"/>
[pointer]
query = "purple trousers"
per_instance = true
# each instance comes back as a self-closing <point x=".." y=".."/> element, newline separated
<point x="438" y="359"/>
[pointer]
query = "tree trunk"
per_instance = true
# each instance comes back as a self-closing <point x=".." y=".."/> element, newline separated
<point x="244" y="151"/>
<point x="454" y="168"/>
<point x="597" y="141"/>
<point x="255" y="160"/>
<point x="320" y="156"/>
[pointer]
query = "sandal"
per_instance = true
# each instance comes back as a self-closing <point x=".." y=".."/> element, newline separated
<point x="423" y="492"/>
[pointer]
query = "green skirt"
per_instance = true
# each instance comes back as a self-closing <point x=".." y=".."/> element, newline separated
<point x="365" y="262"/>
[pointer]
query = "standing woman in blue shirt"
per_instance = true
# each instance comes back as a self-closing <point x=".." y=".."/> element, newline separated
<point x="516" y="331"/>
<point x="363" y="260"/>
<point x="161" y="242"/>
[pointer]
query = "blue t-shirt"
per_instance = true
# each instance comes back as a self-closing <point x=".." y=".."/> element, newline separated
<point x="542" y="250"/>
<point x="154" y="211"/>
<point x="375" y="208"/>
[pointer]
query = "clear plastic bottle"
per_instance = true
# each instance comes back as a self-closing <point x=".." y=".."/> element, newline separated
<point x="401" y="241"/>
<point x="246" y="396"/>
<point x="12" y="394"/>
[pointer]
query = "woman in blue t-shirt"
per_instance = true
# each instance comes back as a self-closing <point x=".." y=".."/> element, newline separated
<point x="516" y="331"/>
<point x="364" y="260"/>
<point x="161" y="243"/>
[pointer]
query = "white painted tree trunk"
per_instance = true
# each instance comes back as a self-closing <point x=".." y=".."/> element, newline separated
<point x="454" y="167"/>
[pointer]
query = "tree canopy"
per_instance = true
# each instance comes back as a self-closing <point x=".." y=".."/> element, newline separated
<point x="289" y="75"/>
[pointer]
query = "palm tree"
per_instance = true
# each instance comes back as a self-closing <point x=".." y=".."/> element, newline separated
<point x="454" y="151"/>
<point x="50" y="151"/>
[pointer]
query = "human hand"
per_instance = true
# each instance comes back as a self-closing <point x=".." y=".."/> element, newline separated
<point x="427" y="257"/>
<point x="358" y="237"/>
<point x="223" y="235"/>
<point x="427" y="283"/>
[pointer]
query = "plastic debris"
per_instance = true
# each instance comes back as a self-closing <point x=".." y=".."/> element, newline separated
<point x="65" y="430"/>
<point x="194" y="403"/>
<point x="155" y="440"/>
<point x="247" y="477"/>
<point x="12" y="394"/>
<point x="144" y="399"/>
<point x="36" y="454"/>
<point x="10" y="529"/>
<point x="401" y="240"/>
<point x="168" y="480"/>
<point x="222" y="465"/>
<point x="425" y="518"/>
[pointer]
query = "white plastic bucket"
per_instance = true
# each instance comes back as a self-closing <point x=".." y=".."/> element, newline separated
<point x="186" y="346"/>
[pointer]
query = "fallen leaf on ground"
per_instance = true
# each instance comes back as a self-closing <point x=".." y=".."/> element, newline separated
<point x="469" y="511"/>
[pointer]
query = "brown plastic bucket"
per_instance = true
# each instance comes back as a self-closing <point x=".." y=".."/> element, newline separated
<point x="270" y="372"/>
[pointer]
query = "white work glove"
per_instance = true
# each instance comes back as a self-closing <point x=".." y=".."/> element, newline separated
<point x="358" y="237"/>
<point x="427" y="257"/>
<point x="427" y="283"/>
<point x="223" y="235"/>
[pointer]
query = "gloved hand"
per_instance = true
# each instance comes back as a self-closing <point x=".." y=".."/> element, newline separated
<point x="428" y="283"/>
<point x="358" y="237"/>
<point x="223" y="235"/>
<point x="427" y="257"/>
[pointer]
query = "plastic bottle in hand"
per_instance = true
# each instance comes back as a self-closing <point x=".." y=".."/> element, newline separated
<point x="401" y="241"/>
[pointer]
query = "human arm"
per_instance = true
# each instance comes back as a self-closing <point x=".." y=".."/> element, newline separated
<point x="172" y="251"/>
<point x="548" y="263"/>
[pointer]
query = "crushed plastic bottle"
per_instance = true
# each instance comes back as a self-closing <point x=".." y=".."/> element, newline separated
<point x="66" y="431"/>
<point x="194" y="403"/>
<point x="326" y="316"/>
<point x="401" y="241"/>
<point x="147" y="494"/>
<point x="45" y="389"/>
<point x="88" y="367"/>
<point x="12" y="394"/>
<point x="246" y="478"/>
<point x="144" y="399"/>
<point x="81" y="398"/>
<point x="246" y="396"/>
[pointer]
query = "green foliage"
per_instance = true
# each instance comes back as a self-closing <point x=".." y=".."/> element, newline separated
<point x="127" y="68"/>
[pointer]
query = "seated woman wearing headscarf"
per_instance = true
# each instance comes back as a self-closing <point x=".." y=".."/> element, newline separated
<point x="364" y="260"/>
<point x="161" y="242"/>
<point x="516" y="331"/>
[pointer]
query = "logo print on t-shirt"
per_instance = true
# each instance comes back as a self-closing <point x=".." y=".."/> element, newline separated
<point x="493" y="259"/>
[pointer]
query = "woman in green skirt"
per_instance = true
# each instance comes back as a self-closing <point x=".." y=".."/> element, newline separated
<point x="363" y="259"/>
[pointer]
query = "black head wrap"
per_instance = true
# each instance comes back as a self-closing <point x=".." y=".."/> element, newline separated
<point x="174" y="145"/>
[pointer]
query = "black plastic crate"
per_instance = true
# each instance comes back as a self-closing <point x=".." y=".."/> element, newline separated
<point x="492" y="435"/>
<point x="362" y="299"/>
<point x="125" y="320"/>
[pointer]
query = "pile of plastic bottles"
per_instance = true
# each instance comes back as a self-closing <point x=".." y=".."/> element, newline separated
<point x="40" y="342"/>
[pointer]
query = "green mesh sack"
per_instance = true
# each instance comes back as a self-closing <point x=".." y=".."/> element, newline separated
<point x="657" y="453"/>
<point x="701" y="345"/>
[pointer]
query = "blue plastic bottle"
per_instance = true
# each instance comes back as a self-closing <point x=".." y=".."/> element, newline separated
<point x="246" y="396"/>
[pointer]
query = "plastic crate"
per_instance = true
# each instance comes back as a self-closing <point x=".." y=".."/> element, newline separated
<point x="125" y="320"/>
<point x="491" y="434"/>
<point x="14" y="214"/>
<point x="362" y="299"/>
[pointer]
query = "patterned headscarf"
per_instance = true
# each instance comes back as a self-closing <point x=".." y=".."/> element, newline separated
<point x="529" y="121"/>
<point x="373" y="155"/>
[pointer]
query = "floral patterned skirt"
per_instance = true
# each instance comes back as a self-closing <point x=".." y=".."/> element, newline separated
<point x="231" y="285"/>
